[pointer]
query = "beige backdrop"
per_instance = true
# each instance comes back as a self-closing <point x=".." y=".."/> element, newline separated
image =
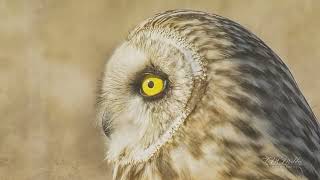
<point x="52" y="52"/>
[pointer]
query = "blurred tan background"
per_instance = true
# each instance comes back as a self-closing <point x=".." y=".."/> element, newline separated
<point x="53" y="51"/>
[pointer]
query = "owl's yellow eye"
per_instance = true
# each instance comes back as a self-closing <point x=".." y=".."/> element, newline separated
<point x="152" y="85"/>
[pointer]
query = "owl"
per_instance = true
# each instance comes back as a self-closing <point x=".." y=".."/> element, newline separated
<point x="191" y="95"/>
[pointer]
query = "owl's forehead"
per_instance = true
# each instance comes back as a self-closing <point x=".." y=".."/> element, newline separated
<point x="126" y="57"/>
<point x="134" y="56"/>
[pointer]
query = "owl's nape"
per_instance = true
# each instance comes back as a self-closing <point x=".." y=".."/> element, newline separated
<point x="191" y="95"/>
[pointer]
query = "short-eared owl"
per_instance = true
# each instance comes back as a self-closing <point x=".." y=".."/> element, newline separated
<point x="192" y="95"/>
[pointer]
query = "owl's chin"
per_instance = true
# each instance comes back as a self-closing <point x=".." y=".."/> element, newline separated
<point x="127" y="148"/>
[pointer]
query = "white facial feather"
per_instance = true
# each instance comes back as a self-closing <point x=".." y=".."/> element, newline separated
<point x="134" y="120"/>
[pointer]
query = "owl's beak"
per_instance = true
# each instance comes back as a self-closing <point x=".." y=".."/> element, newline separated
<point x="106" y="125"/>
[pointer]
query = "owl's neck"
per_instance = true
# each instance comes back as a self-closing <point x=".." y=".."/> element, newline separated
<point x="202" y="150"/>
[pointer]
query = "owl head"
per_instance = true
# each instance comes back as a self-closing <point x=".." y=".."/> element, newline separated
<point x="183" y="74"/>
<point x="151" y="84"/>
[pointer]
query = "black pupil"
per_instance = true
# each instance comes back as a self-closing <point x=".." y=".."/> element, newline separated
<point x="150" y="84"/>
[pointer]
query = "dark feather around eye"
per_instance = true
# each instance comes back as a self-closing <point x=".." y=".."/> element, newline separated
<point x="139" y="77"/>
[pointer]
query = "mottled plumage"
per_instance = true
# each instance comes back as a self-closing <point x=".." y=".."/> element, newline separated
<point x="232" y="109"/>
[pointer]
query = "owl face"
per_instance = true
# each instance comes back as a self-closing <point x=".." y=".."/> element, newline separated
<point x="148" y="90"/>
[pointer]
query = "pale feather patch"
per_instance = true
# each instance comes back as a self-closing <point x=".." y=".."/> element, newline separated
<point x="139" y="155"/>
